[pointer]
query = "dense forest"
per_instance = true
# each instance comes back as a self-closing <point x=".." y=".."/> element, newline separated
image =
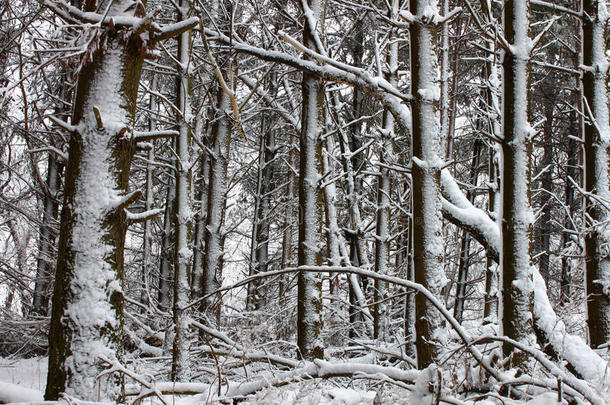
<point x="305" y="201"/>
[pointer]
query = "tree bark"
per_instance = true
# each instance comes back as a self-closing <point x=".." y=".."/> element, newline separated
<point x="183" y="206"/>
<point x="309" y="285"/>
<point x="87" y="314"/>
<point x="517" y="215"/>
<point x="427" y="218"/>
<point x="597" y="143"/>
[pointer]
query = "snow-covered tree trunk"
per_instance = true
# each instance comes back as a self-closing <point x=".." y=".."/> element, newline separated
<point x="517" y="215"/>
<point x="309" y="285"/>
<point x="87" y="315"/>
<point x="428" y="245"/>
<point x="492" y="108"/>
<point x="490" y="306"/>
<point x="288" y="222"/>
<point x="597" y="144"/>
<point x="183" y="205"/>
<point x="220" y="143"/>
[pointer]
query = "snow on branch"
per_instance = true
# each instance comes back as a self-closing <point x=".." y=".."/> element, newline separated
<point x="144" y="136"/>
<point x="125" y="200"/>
<point x="584" y="360"/>
<point x="115" y="366"/>
<point x="58" y="152"/>
<point x="588" y="364"/>
<point x="461" y="212"/>
<point x="172" y="30"/>
<point x="74" y="14"/>
<point x="137" y="24"/>
<point x="63" y="124"/>
<point x="143" y="216"/>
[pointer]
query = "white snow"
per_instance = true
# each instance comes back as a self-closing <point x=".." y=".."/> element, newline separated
<point x="22" y="380"/>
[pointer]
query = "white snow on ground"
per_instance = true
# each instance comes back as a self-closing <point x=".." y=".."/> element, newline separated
<point x="22" y="379"/>
<point x="313" y="393"/>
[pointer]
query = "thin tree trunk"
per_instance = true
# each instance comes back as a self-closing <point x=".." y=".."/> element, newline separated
<point x="492" y="108"/>
<point x="259" y="260"/>
<point x="166" y="263"/>
<point x="543" y="229"/>
<point x="48" y="236"/>
<point x="200" y="222"/>
<point x="147" y="238"/>
<point x="183" y="207"/>
<point x="464" y="261"/>
<point x="382" y="230"/>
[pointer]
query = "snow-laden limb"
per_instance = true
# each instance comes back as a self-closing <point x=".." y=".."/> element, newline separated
<point x="144" y="215"/>
<point x="579" y="386"/>
<point x="461" y="212"/>
<point x="585" y="361"/>
<point x="307" y="371"/>
<point x="331" y="71"/>
<point x="137" y="24"/>
<point x="116" y="367"/>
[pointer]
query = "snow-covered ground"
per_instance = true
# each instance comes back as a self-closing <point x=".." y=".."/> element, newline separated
<point x="22" y="379"/>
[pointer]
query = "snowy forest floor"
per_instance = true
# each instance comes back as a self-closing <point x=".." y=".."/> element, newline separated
<point x="26" y="379"/>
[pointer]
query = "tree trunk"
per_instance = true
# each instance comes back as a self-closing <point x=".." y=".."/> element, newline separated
<point x="309" y="285"/>
<point x="259" y="261"/>
<point x="464" y="260"/>
<point x="382" y="230"/>
<point x="183" y="207"/>
<point x="517" y="215"/>
<point x="166" y="263"/>
<point x="597" y="143"/>
<point x="87" y="314"/>
<point x="48" y="236"/>
<point x="428" y="243"/>
<point x="220" y="143"/>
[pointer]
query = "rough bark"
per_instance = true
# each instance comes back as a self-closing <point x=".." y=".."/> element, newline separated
<point x="87" y="314"/>
<point x="517" y="215"/>
<point x="427" y="220"/>
<point x="597" y="143"/>
<point x="183" y="206"/>
<point x="309" y="285"/>
<point x="220" y="143"/>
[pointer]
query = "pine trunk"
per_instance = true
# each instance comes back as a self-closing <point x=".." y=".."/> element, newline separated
<point x="87" y="314"/>
<point x="517" y="215"/>
<point x="428" y="243"/>
<point x="597" y="143"/>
